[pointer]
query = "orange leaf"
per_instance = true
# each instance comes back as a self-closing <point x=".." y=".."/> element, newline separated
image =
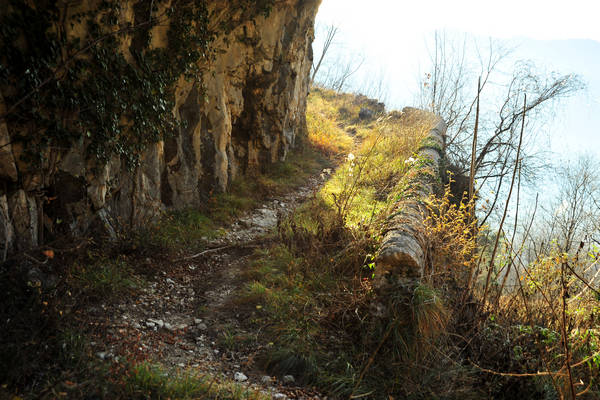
<point x="48" y="253"/>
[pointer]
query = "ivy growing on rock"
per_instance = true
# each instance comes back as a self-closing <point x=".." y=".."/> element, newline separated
<point x="59" y="88"/>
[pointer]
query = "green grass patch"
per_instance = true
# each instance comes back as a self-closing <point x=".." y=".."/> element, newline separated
<point x="104" y="278"/>
<point x="151" y="381"/>
<point x="375" y="166"/>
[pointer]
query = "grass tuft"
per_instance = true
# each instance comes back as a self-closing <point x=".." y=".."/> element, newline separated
<point x="152" y="381"/>
<point x="105" y="278"/>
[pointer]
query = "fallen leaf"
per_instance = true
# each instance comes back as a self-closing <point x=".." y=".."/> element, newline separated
<point x="48" y="253"/>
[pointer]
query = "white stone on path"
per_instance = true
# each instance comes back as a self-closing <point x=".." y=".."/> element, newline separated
<point x="240" y="377"/>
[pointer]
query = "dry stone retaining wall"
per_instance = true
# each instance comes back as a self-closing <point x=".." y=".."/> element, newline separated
<point x="403" y="251"/>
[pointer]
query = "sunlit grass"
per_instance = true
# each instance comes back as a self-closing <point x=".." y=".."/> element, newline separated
<point x="363" y="183"/>
<point x="310" y="290"/>
<point x="325" y="135"/>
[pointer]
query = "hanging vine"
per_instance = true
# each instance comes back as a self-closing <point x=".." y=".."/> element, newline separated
<point x="59" y="89"/>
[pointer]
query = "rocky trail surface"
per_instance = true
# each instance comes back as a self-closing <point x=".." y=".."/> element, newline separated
<point x="186" y="318"/>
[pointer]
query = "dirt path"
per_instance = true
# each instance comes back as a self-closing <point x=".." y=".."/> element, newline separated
<point x="184" y="318"/>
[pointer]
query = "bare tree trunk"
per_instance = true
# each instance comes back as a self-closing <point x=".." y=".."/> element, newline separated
<point x="512" y="240"/>
<point x="331" y="32"/>
<point x="474" y="147"/>
<point x="512" y="184"/>
<point x="565" y="337"/>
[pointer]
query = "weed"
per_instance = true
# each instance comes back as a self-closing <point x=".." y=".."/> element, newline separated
<point x="452" y="230"/>
<point x="179" y="229"/>
<point x="151" y="381"/>
<point x="105" y="278"/>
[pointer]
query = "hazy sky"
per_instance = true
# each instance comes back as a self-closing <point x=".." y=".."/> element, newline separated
<point x="536" y="19"/>
<point x="557" y="35"/>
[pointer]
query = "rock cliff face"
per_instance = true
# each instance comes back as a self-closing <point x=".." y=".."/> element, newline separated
<point x="243" y="111"/>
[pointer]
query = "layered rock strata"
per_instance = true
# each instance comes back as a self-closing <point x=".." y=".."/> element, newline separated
<point x="244" y="112"/>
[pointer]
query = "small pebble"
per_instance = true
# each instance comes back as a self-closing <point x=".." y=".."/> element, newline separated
<point x="240" y="377"/>
<point x="157" y="322"/>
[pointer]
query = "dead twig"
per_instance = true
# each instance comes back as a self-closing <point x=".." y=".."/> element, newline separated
<point x="585" y="282"/>
<point x="565" y="337"/>
<point x="512" y="184"/>
<point x="370" y="361"/>
<point x="35" y="259"/>
<point x="517" y="375"/>
<point x="248" y="245"/>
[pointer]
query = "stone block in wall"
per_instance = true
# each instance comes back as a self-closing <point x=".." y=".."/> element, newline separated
<point x="402" y="254"/>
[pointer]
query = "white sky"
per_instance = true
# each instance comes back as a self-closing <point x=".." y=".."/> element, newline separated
<point x="536" y="19"/>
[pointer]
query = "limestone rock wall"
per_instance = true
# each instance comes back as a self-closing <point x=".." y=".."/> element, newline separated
<point x="244" y="113"/>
